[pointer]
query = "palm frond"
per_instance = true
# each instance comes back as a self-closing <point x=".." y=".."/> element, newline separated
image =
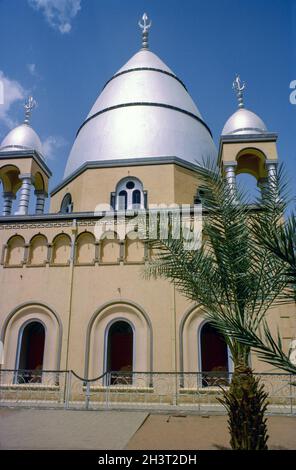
<point x="234" y="278"/>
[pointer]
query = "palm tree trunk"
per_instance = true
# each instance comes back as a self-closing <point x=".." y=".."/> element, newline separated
<point x="246" y="403"/>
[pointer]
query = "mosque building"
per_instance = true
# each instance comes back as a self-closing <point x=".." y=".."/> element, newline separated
<point x="72" y="300"/>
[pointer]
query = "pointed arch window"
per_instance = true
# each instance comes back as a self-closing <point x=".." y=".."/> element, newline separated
<point x="214" y="356"/>
<point x="67" y="204"/>
<point x="120" y="340"/>
<point x="31" y="352"/>
<point x="136" y="198"/>
<point x="122" y="200"/>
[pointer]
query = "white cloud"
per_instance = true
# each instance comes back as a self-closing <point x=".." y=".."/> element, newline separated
<point x="51" y="145"/>
<point x="32" y="69"/>
<point x="12" y="92"/>
<point x="58" y="13"/>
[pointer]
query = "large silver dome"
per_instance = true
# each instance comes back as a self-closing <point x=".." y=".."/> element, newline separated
<point x="22" y="137"/>
<point x="143" y="111"/>
<point x="244" y="121"/>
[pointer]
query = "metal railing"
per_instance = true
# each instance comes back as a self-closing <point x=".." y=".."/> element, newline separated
<point x="190" y="391"/>
<point x="32" y="387"/>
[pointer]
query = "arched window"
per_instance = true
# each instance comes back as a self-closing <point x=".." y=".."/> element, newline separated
<point x="214" y="355"/>
<point x="250" y="186"/>
<point x="31" y="352"/>
<point x="252" y="173"/>
<point x="129" y="194"/>
<point x="136" y="199"/>
<point x="15" y="251"/>
<point x="120" y="352"/>
<point x="67" y="204"/>
<point x="122" y="200"/>
<point x="198" y="198"/>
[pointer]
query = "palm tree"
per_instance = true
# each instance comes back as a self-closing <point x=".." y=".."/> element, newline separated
<point x="231" y="278"/>
<point x="279" y="238"/>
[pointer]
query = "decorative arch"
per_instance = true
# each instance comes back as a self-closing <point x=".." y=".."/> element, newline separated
<point x="110" y="248"/>
<point x="15" y="251"/>
<point x="252" y="161"/>
<point x="190" y="345"/>
<point x="38" y="250"/>
<point x="9" y="175"/>
<point x="61" y="249"/>
<point x="188" y="357"/>
<point x="18" y="318"/>
<point x="67" y="204"/>
<point x="39" y="181"/>
<point x="85" y="248"/>
<point x="129" y="194"/>
<point x="134" y="248"/>
<point x="103" y="317"/>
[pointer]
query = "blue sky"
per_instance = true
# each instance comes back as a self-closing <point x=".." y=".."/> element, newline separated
<point x="63" y="51"/>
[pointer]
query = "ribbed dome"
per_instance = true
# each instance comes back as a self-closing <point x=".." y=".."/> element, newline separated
<point x="143" y="111"/>
<point x="22" y="137"/>
<point x="242" y="122"/>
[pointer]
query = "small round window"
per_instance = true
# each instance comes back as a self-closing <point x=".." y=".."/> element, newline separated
<point x="130" y="185"/>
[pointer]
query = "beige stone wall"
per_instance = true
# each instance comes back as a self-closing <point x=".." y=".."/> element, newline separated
<point x="77" y="290"/>
<point x="167" y="184"/>
<point x="86" y="297"/>
<point x="59" y="272"/>
<point x="186" y="183"/>
<point x="232" y="149"/>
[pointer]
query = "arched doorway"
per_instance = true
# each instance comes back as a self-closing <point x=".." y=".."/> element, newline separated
<point x="31" y="352"/>
<point x="214" y="356"/>
<point x="120" y="352"/>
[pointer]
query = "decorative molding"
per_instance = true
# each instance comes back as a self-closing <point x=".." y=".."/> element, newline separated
<point x="144" y="69"/>
<point x="191" y="310"/>
<point x="251" y="137"/>
<point x="45" y="307"/>
<point x="26" y="153"/>
<point x="101" y="309"/>
<point x="146" y="103"/>
<point x="22" y="226"/>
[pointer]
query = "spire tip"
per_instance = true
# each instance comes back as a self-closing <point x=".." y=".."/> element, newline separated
<point x="145" y="25"/>
<point x="29" y="105"/>
<point x="238" y="88"/>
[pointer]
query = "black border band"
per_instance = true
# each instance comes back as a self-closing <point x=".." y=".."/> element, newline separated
<point x="144" y="103"/>
<point x="151" y="69"/>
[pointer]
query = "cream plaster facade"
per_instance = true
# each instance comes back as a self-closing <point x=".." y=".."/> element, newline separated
<point x="55" y="270"/>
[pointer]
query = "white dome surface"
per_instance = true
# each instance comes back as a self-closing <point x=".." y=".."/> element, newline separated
<point x="142" y="114"/>
<point x="22" y="137"/>
<point x="145" y="58"/>
<point x="243" y="122"/>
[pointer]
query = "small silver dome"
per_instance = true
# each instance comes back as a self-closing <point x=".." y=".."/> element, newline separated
<point x="244" y="121"/>
<point x="22" y="137"/>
